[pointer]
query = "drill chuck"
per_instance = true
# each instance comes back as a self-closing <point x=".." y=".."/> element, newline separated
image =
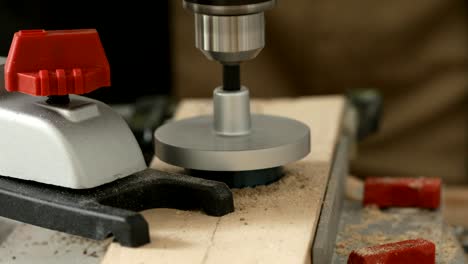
<point x="228" y="7"/>
<point x="229" y="32"/>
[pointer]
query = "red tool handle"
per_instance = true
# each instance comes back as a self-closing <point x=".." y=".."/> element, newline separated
<point x="403" y="192"/>
<point x="60" y="62"/>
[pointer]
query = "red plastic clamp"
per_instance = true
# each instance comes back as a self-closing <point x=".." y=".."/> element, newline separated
<point x="403" y="192"/>
<point x="419" y="251"/>
<point x="58" y="62"/>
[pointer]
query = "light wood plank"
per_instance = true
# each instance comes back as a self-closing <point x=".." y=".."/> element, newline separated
<point x="271" y="224"/>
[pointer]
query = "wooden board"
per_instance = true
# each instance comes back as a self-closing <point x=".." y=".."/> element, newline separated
<point x="271" y="224"/>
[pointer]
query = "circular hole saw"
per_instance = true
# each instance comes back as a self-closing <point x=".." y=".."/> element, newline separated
<point x="232" y="145"/>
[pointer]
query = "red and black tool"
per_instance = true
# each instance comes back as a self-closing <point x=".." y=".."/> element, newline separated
<point x="71" y="163"/>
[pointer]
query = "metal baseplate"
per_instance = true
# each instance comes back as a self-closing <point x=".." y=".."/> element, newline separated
<point x="111" y="209"/>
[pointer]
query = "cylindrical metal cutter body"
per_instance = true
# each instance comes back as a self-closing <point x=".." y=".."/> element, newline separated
<point x="229" y="32"/>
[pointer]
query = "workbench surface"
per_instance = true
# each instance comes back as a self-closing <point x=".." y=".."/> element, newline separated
<point x="271" y="224"/>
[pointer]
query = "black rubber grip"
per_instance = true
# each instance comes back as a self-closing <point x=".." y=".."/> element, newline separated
<point x="226" y="2"/>
<point x="58" y="100"/>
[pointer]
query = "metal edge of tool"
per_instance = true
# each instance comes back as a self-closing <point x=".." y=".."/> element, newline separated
<point x="327" y="229"/>
<point x="353" y="121"/>
<point x="6" y="225"/>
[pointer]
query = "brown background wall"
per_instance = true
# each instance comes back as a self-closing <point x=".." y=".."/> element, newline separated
<point x="414" y="52"/>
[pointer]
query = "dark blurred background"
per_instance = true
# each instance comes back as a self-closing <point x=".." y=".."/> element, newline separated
<point x="137" y="44"/>
<point x="135" y="38"/>
<point x="415" y="53"/>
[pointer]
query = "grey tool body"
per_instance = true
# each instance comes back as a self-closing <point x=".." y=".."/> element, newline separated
<point x="81" y="145"/>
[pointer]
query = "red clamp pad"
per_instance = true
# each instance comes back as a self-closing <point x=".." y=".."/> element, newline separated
<point x="409" y="251"/>
<point x="59" y="62"/>
<point x="403" y="192"/>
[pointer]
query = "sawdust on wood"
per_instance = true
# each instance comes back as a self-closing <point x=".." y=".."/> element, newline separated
<point x="53" y="243"/>
<point x="279" y="220"/>
<point x="294" y="186"/>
